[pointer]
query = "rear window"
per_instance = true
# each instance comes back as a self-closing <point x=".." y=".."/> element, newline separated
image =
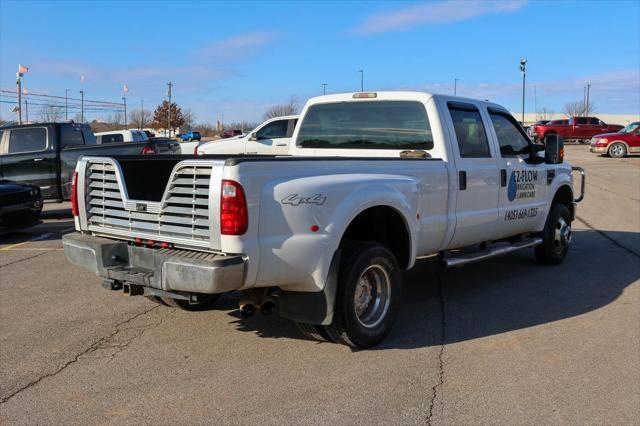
<point x="113" y="138"/>
<point x="27" y="140"/>
<point x="71" y="136"/>
<point x="366" y="125"/>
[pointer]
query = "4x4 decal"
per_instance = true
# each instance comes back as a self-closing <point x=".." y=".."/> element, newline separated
<point x="296" y="200"/>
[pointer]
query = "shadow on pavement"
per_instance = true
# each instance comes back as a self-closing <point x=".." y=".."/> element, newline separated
<point x="495" y="296"/>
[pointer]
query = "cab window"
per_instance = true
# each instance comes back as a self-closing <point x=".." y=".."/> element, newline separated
<point x="112" y="138"/>
<point x="510" y="138"/>
<point x="581" y="120"/>
<point x="27" y="140"/>
<point x="71" y="136"/>
<point x="470" y="132"/>
<point x="275" y="130"/>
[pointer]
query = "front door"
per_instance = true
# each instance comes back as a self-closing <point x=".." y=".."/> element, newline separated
<point x="523" y="183"/>
<point x="477" y="186"/>
<point x="271" y="139"/>
<point x="29" y="158"/>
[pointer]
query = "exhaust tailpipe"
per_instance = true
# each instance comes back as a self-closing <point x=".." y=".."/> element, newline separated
<point x="247" y="310"/>
<point x="268" y="306"/>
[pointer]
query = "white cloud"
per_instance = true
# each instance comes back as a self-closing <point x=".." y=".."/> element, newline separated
<point x="234" y="48"/>
<point x="435" y="13"/>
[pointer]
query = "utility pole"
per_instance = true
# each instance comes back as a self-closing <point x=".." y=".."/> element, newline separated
<point x="324" y="88"/>
<point x="82" y="106"/>
<point x="66" y="108"/>
<point x="126" y="123"/>
<point x="584" y="99"/>
<point x="361" y="80"/>
<point x="455" y="86"/>
<point x="587" y="104"/>
<point x="169" y="84"/>
<point x="523" y="70"/>
<point x="19" y="90"/>
<point x="141" y="113"/>
<point x="26" y="110"/>
<point x="535" y="100"/>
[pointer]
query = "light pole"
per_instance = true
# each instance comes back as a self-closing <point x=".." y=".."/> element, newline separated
<point x="19" y="90"/>
<point x="66" y="108"/>
<point x="141" y="113"/>
<point x="124" y="100"/>
<point x="169" y="109"/>
<point x="82" y="106"/>
<point x="361" y="80"/>
<point x="26" y="110"/>
<point x="523" y="70"/>
<point x="587" y="103"/>
<point x="324" y="88"/>
<point x="455" y="86"/>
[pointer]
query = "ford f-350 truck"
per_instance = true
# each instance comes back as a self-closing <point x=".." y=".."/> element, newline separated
<point x="373" y="182"/>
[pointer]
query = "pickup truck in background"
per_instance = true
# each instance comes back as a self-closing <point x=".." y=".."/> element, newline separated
<point x="373" y="181"/>
<point x="579" y="129"/>
<point x="46" y="154"/>
<point x="270" y="138"/>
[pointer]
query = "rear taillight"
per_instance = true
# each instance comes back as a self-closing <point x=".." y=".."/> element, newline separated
<point x="234" y="218"/>
<point x="74" y="194"/>
<point x="148" y="150"/>
<point x="195" y="150"/>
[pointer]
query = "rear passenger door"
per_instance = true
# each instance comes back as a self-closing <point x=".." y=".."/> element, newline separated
<point x="477" y="187"/>
<point x="523" y="185"/>
<point x="30" y="157"/>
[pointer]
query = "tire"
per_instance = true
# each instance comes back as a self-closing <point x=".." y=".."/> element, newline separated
<point x="556" y="236"/>
<point x="617" y="150"/>
<point x="207" y="302"/>
<point x="365" y="322"/>
<point x="314" y="332"/>
<point x="189" y="140"/>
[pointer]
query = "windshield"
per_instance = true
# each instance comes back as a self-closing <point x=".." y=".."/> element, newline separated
<point x="631" y="127"/>
<point x="366" y="125"/>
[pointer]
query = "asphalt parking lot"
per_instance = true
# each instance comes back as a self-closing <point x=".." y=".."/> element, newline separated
<point x="502" y="342"/>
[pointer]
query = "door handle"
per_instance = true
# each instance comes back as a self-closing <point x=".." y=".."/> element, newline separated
<point x="462" y="180"/>
<point x="503" y="177"/>
<point x="38" y="159"/>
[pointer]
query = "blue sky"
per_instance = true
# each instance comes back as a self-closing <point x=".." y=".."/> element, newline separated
<point x="237" y="58"/>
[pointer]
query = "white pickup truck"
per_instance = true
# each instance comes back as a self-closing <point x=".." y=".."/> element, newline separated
<point x="373" y="182"/>
<point x="270" y="138"/>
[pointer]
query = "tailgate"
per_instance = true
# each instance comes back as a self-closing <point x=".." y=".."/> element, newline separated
<point x="183" y="211"/>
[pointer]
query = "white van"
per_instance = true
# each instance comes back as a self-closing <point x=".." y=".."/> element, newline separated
<point x="121" y="136"/>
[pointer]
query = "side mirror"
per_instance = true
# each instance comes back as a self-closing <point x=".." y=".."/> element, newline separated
<point x="554" y="149"/>
<point x="253" y="137"/>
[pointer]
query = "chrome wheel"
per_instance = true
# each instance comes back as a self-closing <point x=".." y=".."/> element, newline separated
<point x="372" y="296"/>
<point x="617" y="150"/>
<point x="562" y="236"/>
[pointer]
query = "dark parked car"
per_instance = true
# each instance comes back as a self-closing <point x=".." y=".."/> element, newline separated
<point x="230" y="133"/>
<point x="20" y="204"/>
<point x="46" y="154"/>
<point x="150" y="134"/>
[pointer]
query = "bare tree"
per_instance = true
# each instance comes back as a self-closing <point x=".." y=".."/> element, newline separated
<point x="245" y="126"/>
<point x="578" y="108"/>
<point x="290" y="108"/>
<point x="51" y="113"/>
<point x="140" y="118"/>
<point x="189" y="119"/>
<point x="545" y="114"/>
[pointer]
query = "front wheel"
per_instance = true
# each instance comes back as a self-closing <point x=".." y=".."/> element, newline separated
<point x="556" y="236"/>
<point x="617" y="150"/>
<point x="368" y="297"/>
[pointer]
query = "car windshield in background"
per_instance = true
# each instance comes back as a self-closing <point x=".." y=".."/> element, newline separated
<point x="630" y="128"/>
<point x="366" y="125"/>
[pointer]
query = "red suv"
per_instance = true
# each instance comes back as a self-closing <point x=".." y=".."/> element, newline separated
<point x="619" y="144"/>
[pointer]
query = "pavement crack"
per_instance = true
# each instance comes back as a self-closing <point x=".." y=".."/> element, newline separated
<point x="608" y="237"/>
<point x="443" y="327"/>
<point x="92" y="348"/>
<point x="22" y="260"/>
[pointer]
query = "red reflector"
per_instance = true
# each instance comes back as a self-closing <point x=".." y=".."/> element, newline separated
<point x="164" y="244"/>
<point x="314" y="228"/>
<point x="234" y="218"/>
<point x="74" y="194"/>
<point x="137" y="240"/>
<point x="150" y="242"/>
<point x="148" y="150"/>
